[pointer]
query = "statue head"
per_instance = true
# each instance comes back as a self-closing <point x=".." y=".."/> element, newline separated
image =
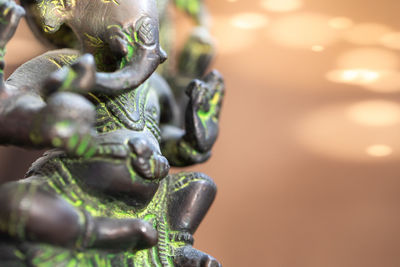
<point x="123" y="35"/>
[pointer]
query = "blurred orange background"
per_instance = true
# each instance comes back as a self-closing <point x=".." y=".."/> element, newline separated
<point x="307" y="158"/>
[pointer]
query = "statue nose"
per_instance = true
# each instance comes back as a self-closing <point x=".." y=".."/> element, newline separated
<point x="163" y="55"/>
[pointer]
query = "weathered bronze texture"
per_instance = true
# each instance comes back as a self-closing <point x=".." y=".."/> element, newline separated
<point x="103" y="195"/>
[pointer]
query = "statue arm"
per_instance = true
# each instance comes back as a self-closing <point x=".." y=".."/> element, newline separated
<point x="64" y="121"/>
<point x="17" y="108"/>
<point x="193" y="144"/>
<point x="25" y="118"/>
<point x="30" y="118"/>
<point x="177" y="150"/>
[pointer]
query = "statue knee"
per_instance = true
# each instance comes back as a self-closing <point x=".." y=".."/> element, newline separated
<point x="185" y="181"/>
<point x="191" y="195"/>
<point x="29" y="213"/>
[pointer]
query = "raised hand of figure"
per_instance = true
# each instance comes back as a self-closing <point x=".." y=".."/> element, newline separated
<point x="197" y="54"/>
<point x="202" y="113"/>
<point x="66" y="122"/>
<point x="79" y="78"/>
<point x="10" y="14"/>
<point x="146" y="162"/>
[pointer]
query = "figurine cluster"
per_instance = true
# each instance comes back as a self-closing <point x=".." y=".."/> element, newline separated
<point x="103" y="195"/>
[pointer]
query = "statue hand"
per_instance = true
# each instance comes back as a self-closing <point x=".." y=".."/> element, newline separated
<point x="146" y="162"/>
<point x="202" y="114"/>
<point x="10" y="14"/>
<point x="66" y="122"/>
<point x="79" y="78"/>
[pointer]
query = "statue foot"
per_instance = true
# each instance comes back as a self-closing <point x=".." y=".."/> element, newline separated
<point x="120" y="234"/>
<point x="188" y="256"/>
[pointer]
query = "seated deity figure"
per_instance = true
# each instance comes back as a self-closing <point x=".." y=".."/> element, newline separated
<point x="103" y="195"/>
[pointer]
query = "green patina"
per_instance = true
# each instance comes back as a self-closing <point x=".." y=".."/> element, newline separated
<point x="131" y="48"/>
<point x="68" y="82"/>
<point x="57" y="142"/>
<point x="83" y="145"/>
<point x="90" y="152"/>
<point x="73" y="141"/>
<point x="206" y="116"/>
<point x="61" y="125"/>
<point x="2" y="53"/>
<point x="155" y="212"/>
<point x="190" y="6"/>
<point x="35" y="137"/>
<point x="4" y="22"/>
<point x="192" y="54"/>
<point x="188" y="149"/>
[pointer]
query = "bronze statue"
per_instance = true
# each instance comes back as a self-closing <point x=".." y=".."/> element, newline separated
<point x="103" y="195"/>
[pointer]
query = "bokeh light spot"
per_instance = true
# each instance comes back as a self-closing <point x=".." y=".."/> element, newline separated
<point x="340" y="23"/>
<point x="328" y="131"/>
<point x="391" y="40"/>
<point x="375" y="113"/>
<point x="317" y="48"/>
<point x="368" y="58"/>
<point x="249" y="21"/>
<point x="230" y="39"/>
<point x="379" y="150"/>
<point x="302" y="30"/>
<point x="374" y="69"/>
<point x="281" y="5"/>
<point x="388" y="82"/>
<point x="354" y="76"/>
<point x="366" y="33"/>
